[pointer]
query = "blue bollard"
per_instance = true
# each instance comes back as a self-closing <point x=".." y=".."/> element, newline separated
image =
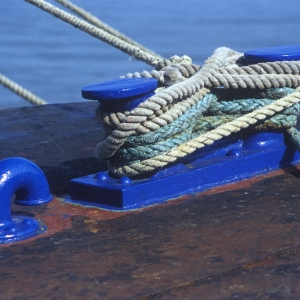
<point x="240" y="158"/>
<point x="28" y="182"/>
<point x="236" y="158"/>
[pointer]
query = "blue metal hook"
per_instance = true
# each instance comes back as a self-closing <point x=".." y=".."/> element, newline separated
<point x="28" y="182"/>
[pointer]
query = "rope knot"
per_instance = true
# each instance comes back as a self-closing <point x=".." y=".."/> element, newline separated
<point x="162" y="63"/>
<point x="198" y="108"/>
<point x="171" y="75"/>
<point x="180" y="60"/>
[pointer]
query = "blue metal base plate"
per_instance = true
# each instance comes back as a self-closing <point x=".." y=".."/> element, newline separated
<point x="20" y="228"/>
<point x="238" y="159"/>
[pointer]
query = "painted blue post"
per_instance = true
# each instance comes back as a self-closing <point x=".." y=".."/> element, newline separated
<point x="28" y="182"/>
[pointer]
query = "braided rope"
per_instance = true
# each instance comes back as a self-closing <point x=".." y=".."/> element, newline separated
<point x="95" y="21"/>
<point x="132" y="125"/>
<point x="283" y="67"/>
<point x="129" y="155"/>
<point x="108" y="38"/>
<point x="293" y="136"/>
<point x="207" y="76"/>
<point x="191" y="124"/>
<point x="25" y="94"/>
<point x="168" y="75"/>
<point x="179" y="125"/>
<point x="187" y="85"/>
<point x="208" y="138"/>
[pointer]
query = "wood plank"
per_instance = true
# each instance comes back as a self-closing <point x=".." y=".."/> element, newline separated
<point x="200" y="244"/>
<point x="59" y="138"/>
<point x="276" y="277"/>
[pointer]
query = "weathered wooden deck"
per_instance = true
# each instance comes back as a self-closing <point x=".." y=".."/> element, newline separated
<point x="236" y="242"/>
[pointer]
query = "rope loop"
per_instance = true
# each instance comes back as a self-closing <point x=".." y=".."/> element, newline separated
<point x="194" y="106"/>
<point x="197" y="106"/>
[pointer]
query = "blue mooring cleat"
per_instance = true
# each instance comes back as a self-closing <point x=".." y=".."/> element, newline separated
<point x="123" y="94"/>
<point x="239" y="157"/>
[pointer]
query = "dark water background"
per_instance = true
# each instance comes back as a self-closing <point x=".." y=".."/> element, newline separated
<point x="54" y="60"/>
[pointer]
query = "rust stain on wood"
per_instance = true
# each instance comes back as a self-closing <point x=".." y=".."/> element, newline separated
<point x="237" y="241"/>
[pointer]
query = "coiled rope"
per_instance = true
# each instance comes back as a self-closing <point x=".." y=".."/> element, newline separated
<point x="193" y="113"/>
<point x="189" y="113"/>
<point x="16" y="88"/>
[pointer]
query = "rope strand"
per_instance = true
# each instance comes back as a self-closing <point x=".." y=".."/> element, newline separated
<point x="188" y="87"/>
<point x="208" y="138"/>
<point x="25" y="94"/>
<point x="95" y="21"/>
<point x="152" y="135"/>
<point x="108" y="38"/>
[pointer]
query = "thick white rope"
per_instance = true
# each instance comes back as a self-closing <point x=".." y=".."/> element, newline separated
<point x="133" y="124"/>
<point x="223" y="68"/>
<point x="108" y="38"/>
<point x="208" y="138"/>
<point x="168" y="97"/>
<point x="95" y="21"/>
<point x="16" y="88"/>
<point x="208" y="76"/>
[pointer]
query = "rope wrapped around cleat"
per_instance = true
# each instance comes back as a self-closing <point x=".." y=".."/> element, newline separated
<point x="197" y="107"/>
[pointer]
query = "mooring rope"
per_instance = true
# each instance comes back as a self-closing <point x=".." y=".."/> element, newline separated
<point x="224" y="130"/>
<point x="167" y="71"/>
<point x="157" y="62"/>
<point x="194" y="112"/>
<point x="95" y="21"/>
<point x="189" y="111"/>
<point x="16" y="88"/>
<point x="29" y="96"/>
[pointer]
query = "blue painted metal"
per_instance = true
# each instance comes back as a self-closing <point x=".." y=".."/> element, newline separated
<point x="231" y="160"/>
<point x="121" y="94"/>
<point x="28" y="182"/>
<point x="269" y="54"/>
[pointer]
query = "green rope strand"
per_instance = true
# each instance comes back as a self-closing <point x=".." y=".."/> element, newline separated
<point x="197" y="120"/>
<point x="293" y="136"/>
<point x="176" y="127"/>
